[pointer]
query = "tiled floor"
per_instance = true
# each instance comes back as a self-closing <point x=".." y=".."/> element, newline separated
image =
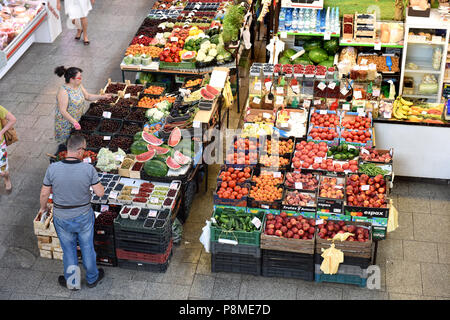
<point x="415" y="260"/>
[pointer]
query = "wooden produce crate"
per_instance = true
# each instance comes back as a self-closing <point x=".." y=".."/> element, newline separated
<point x="102" y="91"/>
<point x="45" y="227"/>
<point x="349" y="248"/>
<point x="287" y="244"/>
<point x="348" y="35"/>
<point x="365" y="35"/>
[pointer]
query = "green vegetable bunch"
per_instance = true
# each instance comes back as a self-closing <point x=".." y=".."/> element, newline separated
<point x="372" y="170"/>
<point x="232" y="22"/>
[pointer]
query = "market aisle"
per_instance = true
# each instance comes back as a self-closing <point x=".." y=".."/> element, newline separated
<point x="415" y="260"/>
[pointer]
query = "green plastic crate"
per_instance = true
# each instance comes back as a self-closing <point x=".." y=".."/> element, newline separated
<point x="242" y="237"/>
<point x="176" y="65"/>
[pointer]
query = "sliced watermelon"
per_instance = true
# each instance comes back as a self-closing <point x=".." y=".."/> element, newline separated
<point x="206" y="95"/>
<point x="181" y="158"/>
<point x="150" y="138"/>
<point x="144" y="157"/>
<point x="175" y="137"/>
<point x="158" y="149"/>
<point x="172" y="164"/>
<point x="212" y="90"/>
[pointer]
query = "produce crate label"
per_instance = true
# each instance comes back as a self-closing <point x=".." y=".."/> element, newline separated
<point x="364" y="61"/>
<point x="154" y="200"/>
<point x="306" y="103"/>
<point x="104" y="208"/>
<point x="344" y="91"/>
<point x="321" y="86"/>
<point x="317" y="102"/>
<point x="317" y="159"/>
<point x="327" y="35"/>
<point x="332" y="85"/>
<point x="283" y="35"/>
<point x="227" y="241"/>
<point x="107" y="138"/>
<point x="280" y="90"/>
<point x="277" y="174"/>
<point x="357" y="94"/>
<point x="256" y="222"/>
<point x="346" y="106"/>
<point x="87" y="160"/>
<point x="106" y="114"/>
<point x="152" y="214"/>
<point x="298" y="185"/>
<point x="377" y="46"/>
<point x="267" y="115"/>
<point x="365" y="187"/>
<point x="279" y="100"/>
<point x="323" y="112"/>
<point x="127" y="96"/>
<point x="258" y="86"/>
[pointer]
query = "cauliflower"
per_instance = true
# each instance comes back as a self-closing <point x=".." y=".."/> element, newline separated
<point x="212" y="52"/>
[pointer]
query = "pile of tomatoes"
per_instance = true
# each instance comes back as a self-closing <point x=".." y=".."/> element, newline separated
<point x="306" y="154"/>
<point x="246" y="144"/>
<point x="361" y="123"/>
<point x="325" y="120"/>
<point x="229" y="190"/>
<point x="328" y="134"/>
<point x="360" y="136"/>
<point x="281" y="147"/>
<point x="242" y="158"/>
<point x="235" y="176"/>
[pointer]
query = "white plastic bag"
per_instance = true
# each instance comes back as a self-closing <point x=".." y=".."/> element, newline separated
<point x="72" y="26"/>
<point x="205" y="237"/>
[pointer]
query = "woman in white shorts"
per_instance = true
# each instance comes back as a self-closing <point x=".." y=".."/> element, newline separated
<point x="78" y="9"/>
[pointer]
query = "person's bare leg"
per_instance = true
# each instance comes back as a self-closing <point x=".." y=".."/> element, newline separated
<point x="7" y="178"/>
<point x="84" y="24"/>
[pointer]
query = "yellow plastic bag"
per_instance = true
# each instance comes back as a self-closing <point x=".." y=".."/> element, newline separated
<point x="332" y="257"/>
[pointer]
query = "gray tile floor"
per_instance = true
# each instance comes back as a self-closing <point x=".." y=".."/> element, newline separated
<point x="415" y="260"/>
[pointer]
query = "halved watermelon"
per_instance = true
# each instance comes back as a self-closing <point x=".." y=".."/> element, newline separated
<point x="175" y="137"/>
<point x="212" y="90"/>
<point x="172" y="164"/>
<point x="206" y="95"/>
<point x="181" y="158"/>
<point x="144" y="157"/>
<point x="158" y="149"/>
<point x="188" y="55"/>
<point x="150" y="138"/>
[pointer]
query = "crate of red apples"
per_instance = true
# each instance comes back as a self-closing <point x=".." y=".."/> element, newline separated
<point x="358" y="245"/>
<point x="376" y="155"/>
<point x="367" y="196"/>
<point x="296" y="200"/>
<point x="288" y="233"/>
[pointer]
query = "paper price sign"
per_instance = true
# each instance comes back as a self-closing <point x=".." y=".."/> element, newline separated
<point x="346" y="106"/>
<point x="357" y="94"/>
<point x="107" y="138"/>
<point x="332" y="85"/>
<point x="317" y="102"/>
<point x="321" y="86"/>
<point x="154" y="200"/>
<point x="362" y="114"/>
<point x="280" y="90"/>
<point x="351" y="146"/>
<point x="317" y="159"/>
<point x="327" y="35"/>
<point x="267" y="115"/>
<point x="104" y="208"/>
<point x="279" y="100"/>
<point x="323" y="112"/>
<point x="320" y="221"/>
<point x="258" y="86"/>
<point x="364" y="61"/>
<point x="344" y="91"/>
<point x="283" y="35"/>
<point x="306" y="103"/>
<point x="298" y="185"/>
<point x="363" y="150"/>
<point x="365" y="187"/>
<point x="268" y="85"/>
<point x="135" y="191"/>
<point x="360" y="110"/>
<point x="174" y="39"/>
<point x="277" y="174"/>
<point x="376" y="92"/>
<point x="174" y="185"/>
<point x="152" y="214"/>
<point x="113" y="195"/>
<point x="296" y="89"/>
<point x="256" y="222"/>
<point x="106" y="114"/>
<point x="377" y="46"/>
<point x="127" y="96"/>
<point x="387" y="115"/>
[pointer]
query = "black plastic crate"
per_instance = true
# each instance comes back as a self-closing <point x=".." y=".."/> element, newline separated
<point x="281" y="260"/>
<point x="351" y="261"/>
<point x="307" y="275"/>
<point x="143" y="266"/>
<point x="239" y="249"/>
<point x="142" y="246"/>
<point x="235" y="264"/>
<point x="145" y="237"/>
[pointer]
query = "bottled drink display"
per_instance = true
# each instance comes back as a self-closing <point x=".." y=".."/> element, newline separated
<point x="305" y="20"/>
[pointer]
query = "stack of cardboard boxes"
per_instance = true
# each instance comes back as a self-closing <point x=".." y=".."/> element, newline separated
<point x="48" y="242"/>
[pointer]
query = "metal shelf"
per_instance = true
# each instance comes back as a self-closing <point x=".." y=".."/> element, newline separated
<point x="343" y="42"/>
<point x="320" y="34"/>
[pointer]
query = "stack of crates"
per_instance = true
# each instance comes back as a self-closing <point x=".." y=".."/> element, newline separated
<point x="347" y="274"/>
<point x="236" y="251"/>
<point x="145" y="243"/>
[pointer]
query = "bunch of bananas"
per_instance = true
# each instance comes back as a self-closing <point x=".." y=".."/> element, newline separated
<point x="401" y="108"/>
<point x="227" y="94"/>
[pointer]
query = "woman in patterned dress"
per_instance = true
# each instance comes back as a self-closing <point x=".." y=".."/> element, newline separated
<point x="70" y="101"/>
<point x="11" y="120"/>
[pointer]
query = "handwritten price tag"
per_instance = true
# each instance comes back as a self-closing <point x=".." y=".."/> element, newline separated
<point x="277" y="174"/>
<point x="321" y="86"/>
<point x="306" y="103"/>
<point x="107" y="138"/>
<point x="346" y="106"/>
<point x="298" y="185"/>
<point x="256" y="222"/>
<point x="323" y="112"/>
<point x="106" y="114"/>
<point x="365" y="187"/>
<point x="256" y="100"/>
<point x="280" y="90"/>
<point x="127" y="96"/>
<point x="332" y="85"/>
<point x="377" y="46"/>
<point x="279" y="100"/>
<point x="317" y="159"/>
<point x="357" y="94"/>
<point x="258" y="86"/>
<point x="152" y="214"/>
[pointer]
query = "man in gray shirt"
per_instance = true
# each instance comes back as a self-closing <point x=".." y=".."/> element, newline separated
<point x="70" y="181"/>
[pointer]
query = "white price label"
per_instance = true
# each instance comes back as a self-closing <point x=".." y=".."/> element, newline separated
<point x="264" y="206"/>
<point x="280" y="90"/>
<point x="258" y="86"/>
<point x="357" y="94"/>
<point x="365" y="187"/>
<point x="306" y="103"/>
<point x="363" y="61"/>
<point x="424" y="112"/>
<point x="104" y="208"/>
<point x="376" y="92"/>
<point x="317" y="159"/>
<point x="277" y="174"/>
<point x="106" y="114"/>
<point x="364" y="150"/>
<point x="332" y="85"/>
<point x="256" y="222"/>
<point x="267" y="115"/>
<point x="283" y="34"/>
<point x="360" y="110"/>
<point x="323" y="112"/>
<point x="152" y="214"/>
<point x="256" y="100"/>
<point x="113" y="195"/>
<point x="135" y="191"/>
<point x="327" y="35"/>
<point x="362" y="114"/>
<point x="317" y="102"/>
<point x="344" y="91"/>
<point x="87" y="160"/>
<point x="284" y="125"/>
<point x="319" y="221"/>
<point x="96" y="214"/>
<point x="174" y="185"/>
<point x="154" y="200"/>
<point x="321" y="86"/>
<point x="196" y="124"/>
<point x="279" y="100"/>
<point x="127" y="96"/>
<point x="436" y="39"/>
<point x="351" y="146"/>
<point x="377" y="45"/>
<point x="346" y="107"/>
<point x="174" y="39"/>
<point x="387" y="115"/>
<point x="298" y="185"/>
<point x="296" y="89"/>
<point x="107" y="138"/>
<point x="268" y="85"/>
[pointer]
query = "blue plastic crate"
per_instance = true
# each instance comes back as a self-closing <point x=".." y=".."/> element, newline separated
<point x="341" y="278"/>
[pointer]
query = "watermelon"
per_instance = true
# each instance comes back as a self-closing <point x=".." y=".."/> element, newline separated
<point x="327" y="63"/>
<point x="212" y="90"/>
<point x="284" y="60"/>
<point x="188" y="56"/>
<point x="206" y="94"/>
<point x="138" y="147"/>
<point x="138" y="136"/>
<point x="331" y="46"/>
<point x="159" y="149"/>
<point x="289" y="53"/>
<point x="181" y="158"/>
<point x="302" y="60"/>
<point x="318" y="55"/>
<point x="172" y="164"/>
<point x="150" y="138"/>
<point x="144" y="157"/>
<point x="312" y="44"/>
<point x="175" y="137"/>
<point x="156" y="168"/>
